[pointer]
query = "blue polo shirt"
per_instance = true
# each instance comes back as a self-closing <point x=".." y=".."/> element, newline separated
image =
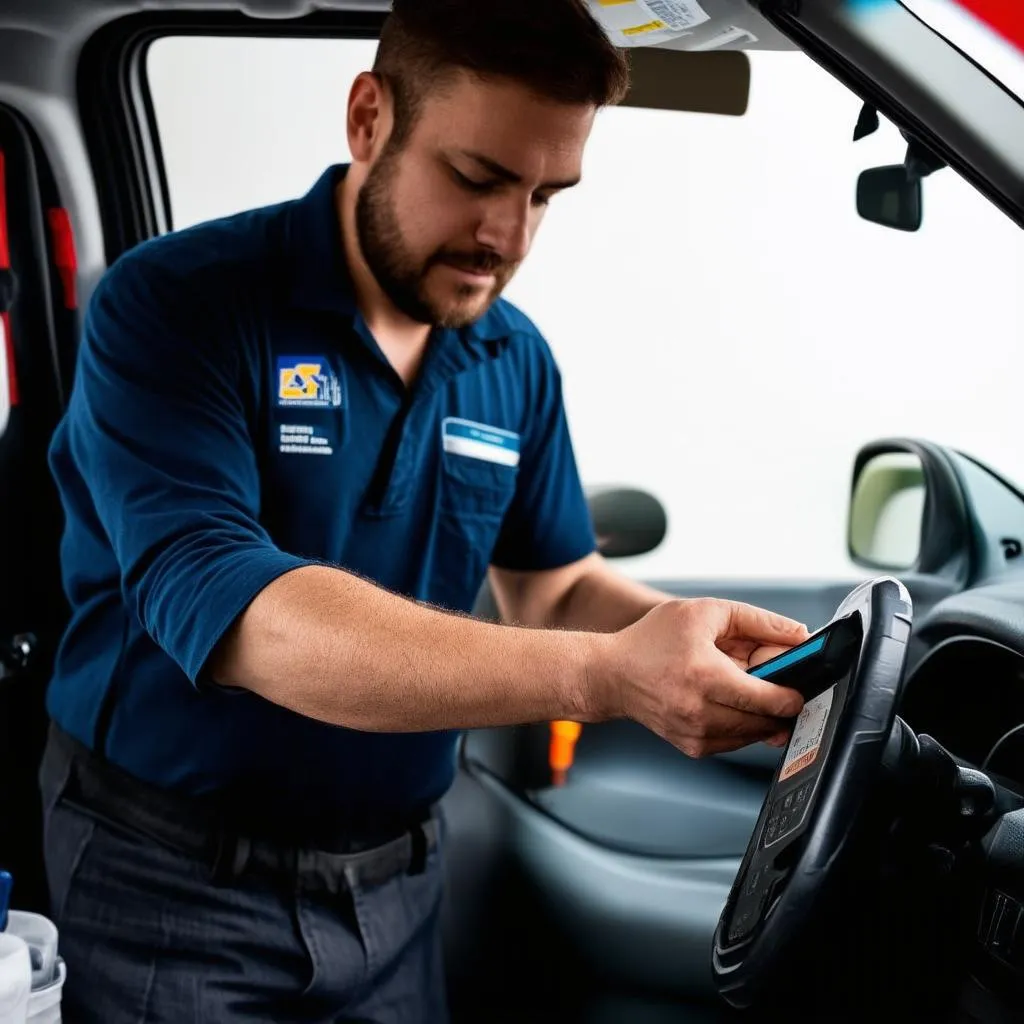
<point x="232" y="419"/>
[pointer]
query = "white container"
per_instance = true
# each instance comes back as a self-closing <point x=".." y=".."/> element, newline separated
<point x="40" y="935"/>
<point x="44" y="1003"/>
<point x="15" y="979"/>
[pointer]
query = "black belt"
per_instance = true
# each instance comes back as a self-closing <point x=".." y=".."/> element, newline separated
<point x="199" y="828"/>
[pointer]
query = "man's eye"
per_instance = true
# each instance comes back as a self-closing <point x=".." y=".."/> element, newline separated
<point x="469" y="184"/>
<point x="540" y="200"/>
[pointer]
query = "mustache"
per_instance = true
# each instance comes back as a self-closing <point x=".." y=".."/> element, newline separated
<point x="482" y="261"/>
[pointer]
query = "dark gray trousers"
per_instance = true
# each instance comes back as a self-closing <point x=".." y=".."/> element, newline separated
<point x="151" y="936"/>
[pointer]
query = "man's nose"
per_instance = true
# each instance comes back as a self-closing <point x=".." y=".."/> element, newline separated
<point x="507" y="227"/>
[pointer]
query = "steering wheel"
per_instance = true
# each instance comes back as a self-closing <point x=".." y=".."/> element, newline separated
<point x="850" y="673"/>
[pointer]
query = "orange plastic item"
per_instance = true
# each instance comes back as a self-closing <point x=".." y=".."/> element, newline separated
<point x="563" y="746"/>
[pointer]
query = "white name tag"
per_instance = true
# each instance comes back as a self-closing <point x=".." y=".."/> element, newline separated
<point x="480" y="441"/>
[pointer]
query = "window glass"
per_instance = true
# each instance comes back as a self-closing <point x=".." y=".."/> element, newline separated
<point x="729" y="331"/>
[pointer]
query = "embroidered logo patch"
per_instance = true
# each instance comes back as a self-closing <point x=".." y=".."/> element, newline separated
<point x="307" y="381"/>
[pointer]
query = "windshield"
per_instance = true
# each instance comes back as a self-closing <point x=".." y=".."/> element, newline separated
<point x="729" y="332"/>
<point x="950" y="78"/>
<point x="990" y="32"/>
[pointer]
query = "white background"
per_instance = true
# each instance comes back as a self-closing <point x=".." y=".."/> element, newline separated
<point x="729" y="331"/>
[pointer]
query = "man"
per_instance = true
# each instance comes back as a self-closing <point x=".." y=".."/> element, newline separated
<point x="297" y="439"/>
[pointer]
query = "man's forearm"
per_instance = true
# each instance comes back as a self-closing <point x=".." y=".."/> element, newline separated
<point x="604" y="600"/>
<point x="334" y="647"/>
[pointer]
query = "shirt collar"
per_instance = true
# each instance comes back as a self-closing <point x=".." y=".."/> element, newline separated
<point x="320" y="277"/>
<point x="321" y="280"/>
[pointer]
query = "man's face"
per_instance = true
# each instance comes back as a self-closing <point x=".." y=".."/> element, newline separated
<point x="445" y="218"/>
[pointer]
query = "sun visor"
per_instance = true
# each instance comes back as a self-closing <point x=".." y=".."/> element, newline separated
<point x="704" y="83"/>
<point x="688" y="54"/>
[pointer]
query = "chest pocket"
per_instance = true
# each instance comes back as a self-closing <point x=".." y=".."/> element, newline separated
<point x="479" y="470"/>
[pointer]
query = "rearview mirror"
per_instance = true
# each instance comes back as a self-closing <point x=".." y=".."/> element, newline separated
<point x="627" y="521"/>
<point x="890" y="196"/>
<point x="887" y="511"/>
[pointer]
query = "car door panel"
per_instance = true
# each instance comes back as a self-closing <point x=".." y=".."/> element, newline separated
<point x="613" y="904"/>
<point x="626" y="867"/>
<point x="632" y="791"/>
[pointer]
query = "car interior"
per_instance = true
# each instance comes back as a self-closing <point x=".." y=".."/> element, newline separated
<point x="627" y="882"/>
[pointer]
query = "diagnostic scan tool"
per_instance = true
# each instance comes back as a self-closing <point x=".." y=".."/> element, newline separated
<point x="849" y="673"/>
<point x="820" y="670"/>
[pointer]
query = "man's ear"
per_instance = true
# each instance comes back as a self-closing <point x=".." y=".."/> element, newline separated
<point x="369" y="118"/>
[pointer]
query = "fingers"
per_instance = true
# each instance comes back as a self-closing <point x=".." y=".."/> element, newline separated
<point x="683" y="671"/>
<point x="765" y="653"/>
<point x="720" y="722"/>
<point x="708" y="748"/>
<point x="731" y="731"/>
<point x="765" y="627"/>
<point x="731" y="687"/>
<point x="725" y="729"/>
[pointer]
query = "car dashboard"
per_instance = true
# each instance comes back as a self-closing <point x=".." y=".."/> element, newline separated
<point x="965" y="686"/>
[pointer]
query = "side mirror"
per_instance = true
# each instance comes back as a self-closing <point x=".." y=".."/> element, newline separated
<point x="627" y="521"/>
<point x="890" y="196"/>
<point x="887" y="511"/>
<point x="908" y="510"/>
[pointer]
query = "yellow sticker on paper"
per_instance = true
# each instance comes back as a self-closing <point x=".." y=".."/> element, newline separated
<point x="651" y="26"/>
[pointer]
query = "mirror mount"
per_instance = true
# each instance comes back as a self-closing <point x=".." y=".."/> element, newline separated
<point x="920" y="161"/>
<point x="892" y="195"/>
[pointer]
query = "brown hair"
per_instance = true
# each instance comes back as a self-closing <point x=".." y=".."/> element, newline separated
<point x="554" y="47"/>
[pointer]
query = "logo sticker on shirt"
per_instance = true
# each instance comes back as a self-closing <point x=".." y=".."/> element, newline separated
<point x="480" y="441"/>
<point x="307" y="381"/>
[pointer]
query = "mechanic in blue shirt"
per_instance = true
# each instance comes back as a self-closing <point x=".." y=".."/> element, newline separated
<point x="297" y="440"/>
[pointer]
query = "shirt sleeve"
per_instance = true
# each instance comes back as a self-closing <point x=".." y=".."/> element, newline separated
<point x="548" y="523"/>
<point x="158" y="432"/>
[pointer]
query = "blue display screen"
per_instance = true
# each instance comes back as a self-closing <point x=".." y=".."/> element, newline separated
<point x="792" y="657"/>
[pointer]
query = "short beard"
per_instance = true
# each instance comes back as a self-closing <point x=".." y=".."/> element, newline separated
<point x="400" y="275"/>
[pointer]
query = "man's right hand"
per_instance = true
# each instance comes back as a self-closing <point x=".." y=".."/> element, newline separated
<point x="377" y="662"/>
<point x="681" y="672"/>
